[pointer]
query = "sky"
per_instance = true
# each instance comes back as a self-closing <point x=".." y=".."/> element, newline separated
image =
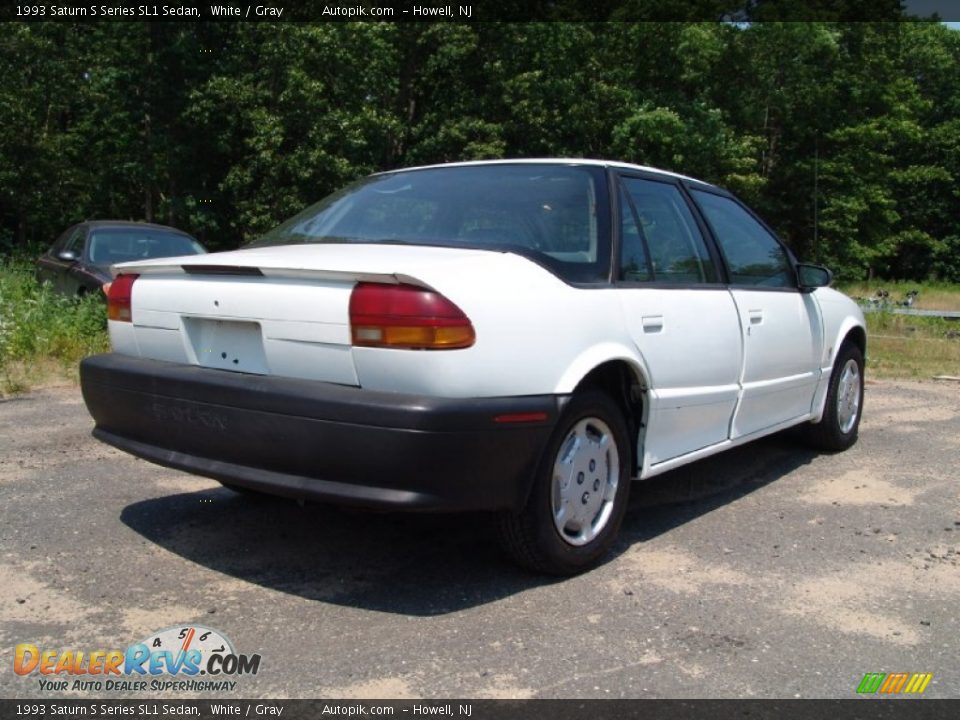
<point x="947" y="9"/>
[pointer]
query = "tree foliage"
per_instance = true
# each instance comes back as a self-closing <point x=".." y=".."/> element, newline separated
<point x="843" y="135"/>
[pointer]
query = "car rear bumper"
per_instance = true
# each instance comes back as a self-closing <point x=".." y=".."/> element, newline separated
<point x="320" y="441"/>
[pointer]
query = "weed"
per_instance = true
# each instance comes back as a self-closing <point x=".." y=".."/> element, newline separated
<point x="38" y="326"/>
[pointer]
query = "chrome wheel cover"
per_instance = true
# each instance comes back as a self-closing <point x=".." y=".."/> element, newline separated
<point x="586" y="472"/>
<point x="848" y="396"/>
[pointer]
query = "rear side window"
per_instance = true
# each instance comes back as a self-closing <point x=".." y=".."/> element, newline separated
<point x="661" y="230"/>
<point x="634" y="256"/>
<point x="753" y="255"/>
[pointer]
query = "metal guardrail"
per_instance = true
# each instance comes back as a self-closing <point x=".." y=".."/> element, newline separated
<point x="945" y="314"/>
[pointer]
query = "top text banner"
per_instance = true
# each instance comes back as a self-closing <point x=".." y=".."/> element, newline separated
<point x="739" y="11"/>
<point x="252" y="12"/>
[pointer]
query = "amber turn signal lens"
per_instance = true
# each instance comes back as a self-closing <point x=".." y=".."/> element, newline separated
<point x="413" y="337"/>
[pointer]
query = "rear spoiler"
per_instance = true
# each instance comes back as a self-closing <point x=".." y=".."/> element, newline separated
<point x="270" y="272"/>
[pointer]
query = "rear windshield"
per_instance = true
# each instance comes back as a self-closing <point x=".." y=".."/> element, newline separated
<point x="117" y="245"/>
<point x="555" y="214"/>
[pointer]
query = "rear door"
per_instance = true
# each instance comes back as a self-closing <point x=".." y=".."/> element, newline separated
<point x="681" y="317"/>
<point x="781" y="326"/>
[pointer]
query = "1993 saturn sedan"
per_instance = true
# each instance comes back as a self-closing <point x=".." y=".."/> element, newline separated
<point x="523" y="337"/>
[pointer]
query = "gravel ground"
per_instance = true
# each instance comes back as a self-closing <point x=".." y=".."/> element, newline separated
<point x="769" y="571"/>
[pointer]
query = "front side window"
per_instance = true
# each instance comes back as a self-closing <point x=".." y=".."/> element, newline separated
<point x="753" y="255"/>
<point x="61" y="242"/>
<point x="75" y="243"/>
<point x="553" y="213"/>
<point x="660" y="230"/>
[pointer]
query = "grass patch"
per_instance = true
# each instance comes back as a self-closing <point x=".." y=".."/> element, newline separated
<point x="902" y="346"/>
<point x="44" y="335"/>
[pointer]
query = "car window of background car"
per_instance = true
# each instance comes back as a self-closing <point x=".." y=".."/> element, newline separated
<point x="678" y="253"/>
<point x="109" y="246"/>
<point x="61" y="241"/>
<point x="753" y="255"/>
<point x="545" y="210"/>
<point x="75" y="243"/>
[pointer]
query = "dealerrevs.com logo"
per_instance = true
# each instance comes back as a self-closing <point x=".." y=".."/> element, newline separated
<point x="187" y="658"/>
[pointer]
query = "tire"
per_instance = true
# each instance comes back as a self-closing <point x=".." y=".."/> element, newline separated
<point x="590" y="448"/>
<point x="840" y="424"/>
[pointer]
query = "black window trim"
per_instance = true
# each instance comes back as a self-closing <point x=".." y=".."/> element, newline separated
<point x="84" y="254"/>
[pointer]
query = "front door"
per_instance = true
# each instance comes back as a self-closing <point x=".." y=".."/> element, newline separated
<point x="781" y="326"/>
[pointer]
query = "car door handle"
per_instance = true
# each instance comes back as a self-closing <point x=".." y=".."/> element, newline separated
<point x="756" y="317"/>
<point x="652" y="323"/>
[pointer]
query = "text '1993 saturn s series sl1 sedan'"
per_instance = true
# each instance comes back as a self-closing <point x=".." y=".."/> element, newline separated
<point x="522" y="337"/>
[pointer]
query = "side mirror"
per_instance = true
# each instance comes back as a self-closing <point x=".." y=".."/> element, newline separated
<point x="811" y="277"/>
<point x="67" y="255"/>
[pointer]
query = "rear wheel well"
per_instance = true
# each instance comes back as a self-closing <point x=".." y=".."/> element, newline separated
<point x="621" y="383"/>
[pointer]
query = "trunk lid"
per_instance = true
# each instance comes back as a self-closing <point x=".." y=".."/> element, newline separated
<point x="269" y="311"/>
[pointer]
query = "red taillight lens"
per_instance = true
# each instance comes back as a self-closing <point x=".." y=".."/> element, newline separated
<point x="405" y="316"/>
<point x="118" y="298"/>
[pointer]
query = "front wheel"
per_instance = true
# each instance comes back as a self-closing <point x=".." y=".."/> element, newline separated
<point x="838" y="428"/>
<point x="579" y="495"/>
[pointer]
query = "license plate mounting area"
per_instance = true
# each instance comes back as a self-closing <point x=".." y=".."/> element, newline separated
<point x="235" y="345"/>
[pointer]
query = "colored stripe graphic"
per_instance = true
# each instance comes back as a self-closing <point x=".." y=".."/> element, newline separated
<point x="894" y="683"/>
<point x="871" y="682"/>
<point x="918" y="683"/>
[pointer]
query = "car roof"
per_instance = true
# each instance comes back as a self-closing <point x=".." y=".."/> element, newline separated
<point x="556" y="161"/>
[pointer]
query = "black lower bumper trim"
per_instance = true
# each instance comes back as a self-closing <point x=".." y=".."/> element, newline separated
<point x="319" y="441"/>
<point x="273" y="483"/>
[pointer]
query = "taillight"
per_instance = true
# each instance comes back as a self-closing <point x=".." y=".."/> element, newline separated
<point x="405" y="316"/>
<point x="118" y="298"/>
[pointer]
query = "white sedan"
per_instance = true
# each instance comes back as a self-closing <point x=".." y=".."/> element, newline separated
<point x="522" y="337"/>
